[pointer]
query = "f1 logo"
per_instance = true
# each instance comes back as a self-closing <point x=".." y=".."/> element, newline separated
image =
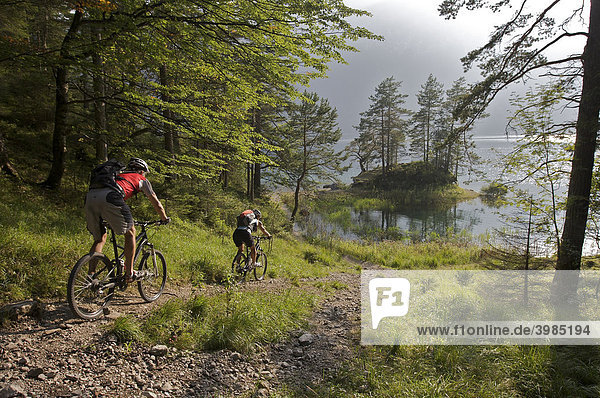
<point x="388" y="297"/>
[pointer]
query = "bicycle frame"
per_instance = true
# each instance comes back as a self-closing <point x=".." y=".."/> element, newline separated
<point x="258" y="249"/>
<point x="141" y="241"/>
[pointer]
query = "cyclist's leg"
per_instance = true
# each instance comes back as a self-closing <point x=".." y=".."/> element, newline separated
<point x="238" y="241"/>
<point x="119" y="217"/>
<point x="94" y="204"/>
<point x="249" y="241"/>
<point x="97" y="247"/>
<point x="253" y="254"/>
<point x="129" y="251"/>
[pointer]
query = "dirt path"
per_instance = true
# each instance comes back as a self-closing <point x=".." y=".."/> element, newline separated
<point x="59" y="356"/>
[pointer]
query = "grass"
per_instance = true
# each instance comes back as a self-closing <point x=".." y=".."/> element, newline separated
<point x="438" y="254"/>
<point x="240" y="321"/>
<point x="467" y="371"/>
<point x="44" y="234"/>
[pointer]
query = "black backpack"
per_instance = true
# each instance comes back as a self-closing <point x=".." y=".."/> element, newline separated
<point x="244" y="219"/>
<point x="106" y="174"/>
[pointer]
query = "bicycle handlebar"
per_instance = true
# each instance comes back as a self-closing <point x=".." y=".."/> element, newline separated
<point x="155" y="222"/>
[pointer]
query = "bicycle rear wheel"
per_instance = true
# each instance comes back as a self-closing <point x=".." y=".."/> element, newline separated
<point x="260" y="270"/>
<point x="238" y="268"/>
<point x="154" y="276"/>
<point x="90" y="285"/>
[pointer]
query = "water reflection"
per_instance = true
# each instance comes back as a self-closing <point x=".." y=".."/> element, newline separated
<point x="416" y="223"/>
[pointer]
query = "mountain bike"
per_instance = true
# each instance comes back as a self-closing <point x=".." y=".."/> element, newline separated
<point x="241" y="262"/>
<point x="95" y="276"/>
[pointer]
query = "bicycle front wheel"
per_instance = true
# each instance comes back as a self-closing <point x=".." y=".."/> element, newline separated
<point x="90" y="286"/>
<point x="154" y="276"/>
<point x="260" y="270"/>
<point x="238" y="268"/>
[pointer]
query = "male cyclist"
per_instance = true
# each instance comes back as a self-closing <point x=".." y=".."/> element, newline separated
<point x="109" y="205"/>
<point x="248" y="222"/>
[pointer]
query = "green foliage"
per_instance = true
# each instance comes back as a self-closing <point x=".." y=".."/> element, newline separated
<point x="430" y="99"/>
<point x="307" y="142"/>
<point x="406" y="176"/>
<point x="442" y="253"/>
<point x="467" y="371"/>
<point x="172" y="79"/>
<point x="126" y="329"/>
<point x="382" y="127"/>
<point x="495" y="190"/>
<point x="35" y="257"/>
<point x="541" y="158"/>
<point x="232" y="320"/>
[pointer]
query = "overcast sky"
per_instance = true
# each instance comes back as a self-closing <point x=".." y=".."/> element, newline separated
<point x="417" y="42"/>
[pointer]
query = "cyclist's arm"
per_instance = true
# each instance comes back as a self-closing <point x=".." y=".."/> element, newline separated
<point x="262" y="229"/>
<point x="158" y="207"/>
<point x="146" y="188"/>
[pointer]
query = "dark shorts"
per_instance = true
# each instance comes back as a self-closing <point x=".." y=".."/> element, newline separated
<point x="107" y="205"/>
<point x="242" y="235"/>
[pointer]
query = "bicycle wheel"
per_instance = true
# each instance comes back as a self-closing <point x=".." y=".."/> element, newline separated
<point x="90" y="285"/>
<point x="154" y="276"/>
<point x="260" y="270"/>
<point x="238" y="268"/>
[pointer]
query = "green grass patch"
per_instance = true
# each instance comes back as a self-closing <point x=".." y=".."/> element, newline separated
<point x="437" y="254"/>
<point x="330" y="286"/>
<point x="126" y="329"/>
<point x="44" y="234"/>
<point x="235" y="320"/>
<point x="468" y="371"/>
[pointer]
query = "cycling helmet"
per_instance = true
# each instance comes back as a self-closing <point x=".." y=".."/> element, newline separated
<point x="256" y="213"/>
<point x="137" y="164"/>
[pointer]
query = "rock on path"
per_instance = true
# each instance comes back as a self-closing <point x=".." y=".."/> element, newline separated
<point x="54" y="355"/>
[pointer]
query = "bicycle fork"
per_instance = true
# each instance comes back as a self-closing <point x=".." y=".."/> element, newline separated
<point x="149" y="272"/>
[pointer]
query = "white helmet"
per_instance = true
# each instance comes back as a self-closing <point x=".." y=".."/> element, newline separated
<point x="137" y="164"/>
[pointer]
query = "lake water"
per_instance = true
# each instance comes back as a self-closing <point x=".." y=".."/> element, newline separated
<point x="473" y="217"/>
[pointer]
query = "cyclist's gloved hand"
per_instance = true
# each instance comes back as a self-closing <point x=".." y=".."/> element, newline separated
<point x="166" y="221"/>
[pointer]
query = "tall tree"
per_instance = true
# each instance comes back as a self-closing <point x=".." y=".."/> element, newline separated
<point x="456" y="146"/>
<point x="307" y="139"/>
<point x="363" y="148"/>
<point x="384" y="119"/>
<point x="430" y="99"/>
<point x="99" y="103"/>
<point x="521" y="46"/>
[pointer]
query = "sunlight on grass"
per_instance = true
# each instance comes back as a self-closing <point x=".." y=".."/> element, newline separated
<point x="236" y="320"/>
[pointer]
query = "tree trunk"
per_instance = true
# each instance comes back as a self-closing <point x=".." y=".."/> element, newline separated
<point x="257" y="182"/>
<point x="5" y="164"/>
<point x="167" y="129"/>
<point x="382" y="146"/>
<point x="250" y="180"/>
<point x="569" y="256"/>
<point x="257" y="166"/>
<point x="59" y="135"/>
<point x="99" y="106"/>
<point x="296" y="198"/>
<point x="302" y="175"/>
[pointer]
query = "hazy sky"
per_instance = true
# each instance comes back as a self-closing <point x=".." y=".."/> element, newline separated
<point x="417" y="42"/>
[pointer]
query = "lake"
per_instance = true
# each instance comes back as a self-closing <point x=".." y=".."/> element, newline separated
<point x="474" y="218"/>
